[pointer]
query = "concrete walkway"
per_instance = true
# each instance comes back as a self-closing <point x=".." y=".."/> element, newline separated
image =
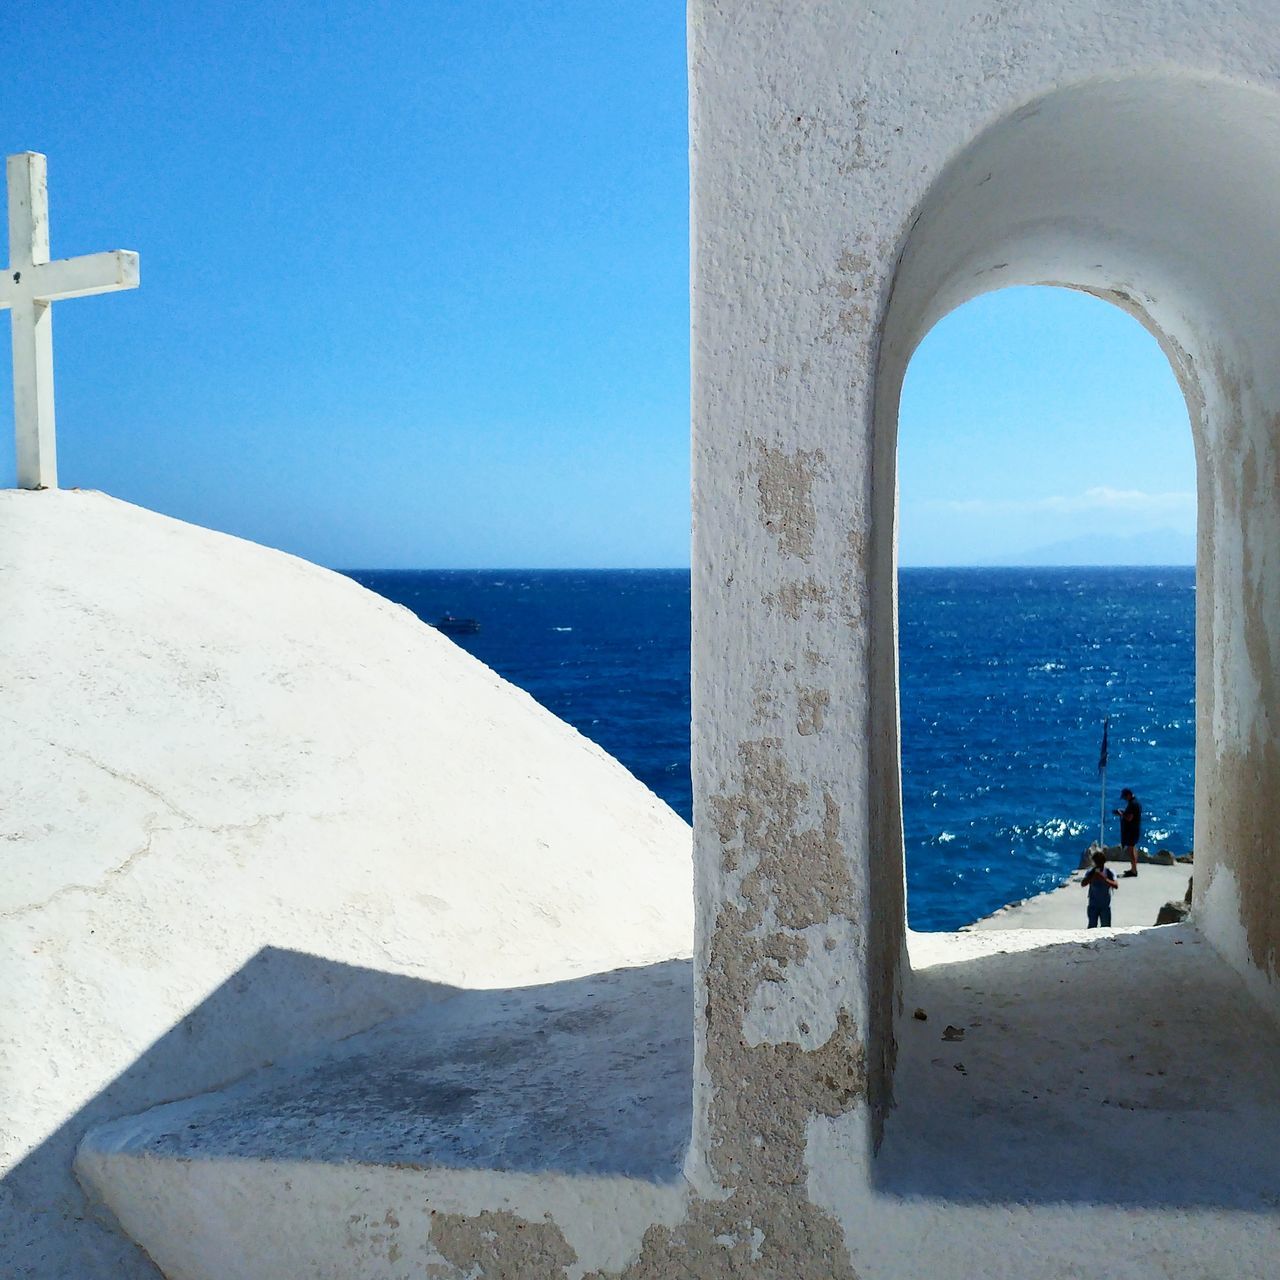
<point x="1134" y="904"/>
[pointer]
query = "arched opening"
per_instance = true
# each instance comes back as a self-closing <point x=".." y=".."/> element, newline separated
<point x="1151" y="193"/>
<point x="1045" y="581"/>
<point x="1156" y="194"/>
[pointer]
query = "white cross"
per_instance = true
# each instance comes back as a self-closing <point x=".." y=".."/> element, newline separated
<point x="29" y="287"/>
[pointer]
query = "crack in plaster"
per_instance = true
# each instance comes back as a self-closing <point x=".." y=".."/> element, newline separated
<point x="127" y="778"/>
<point x="102" y="888"/>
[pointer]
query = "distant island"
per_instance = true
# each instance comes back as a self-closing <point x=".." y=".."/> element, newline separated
<point x="1151" y="547"/>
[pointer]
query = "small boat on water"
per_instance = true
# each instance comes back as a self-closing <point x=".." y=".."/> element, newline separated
<point x="452" y="626"/>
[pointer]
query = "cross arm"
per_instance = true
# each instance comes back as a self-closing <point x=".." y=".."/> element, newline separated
<point x="74" y="277"/>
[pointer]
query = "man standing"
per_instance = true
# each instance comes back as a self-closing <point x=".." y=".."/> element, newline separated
<point x="1130" y="828"/>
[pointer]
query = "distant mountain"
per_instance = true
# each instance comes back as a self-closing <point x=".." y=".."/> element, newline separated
<point x="1152" y="546"/>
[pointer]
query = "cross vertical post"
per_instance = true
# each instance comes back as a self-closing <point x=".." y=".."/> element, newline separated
<point x="28" y="288"/>
<point x="32" y="324"/>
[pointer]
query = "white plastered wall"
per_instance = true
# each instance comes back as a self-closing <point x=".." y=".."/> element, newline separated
<point x="858" y="172"/>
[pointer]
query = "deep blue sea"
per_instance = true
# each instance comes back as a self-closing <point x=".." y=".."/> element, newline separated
<point x="1006" y="675"/>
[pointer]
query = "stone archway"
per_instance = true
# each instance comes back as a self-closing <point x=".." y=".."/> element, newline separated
<point x="1154" y="193"/>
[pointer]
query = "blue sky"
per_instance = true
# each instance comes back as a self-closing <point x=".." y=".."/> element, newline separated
<point x="415" y="293"/>
<point x="1043" y="426"/>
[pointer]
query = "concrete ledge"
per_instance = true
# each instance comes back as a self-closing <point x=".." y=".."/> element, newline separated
<point x="572" y="1098"/>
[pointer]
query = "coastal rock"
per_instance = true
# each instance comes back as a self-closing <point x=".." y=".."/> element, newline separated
<point x="1173" y="913"/>
<point x="1113" y="852"/>
<point x="1116" y="853"/>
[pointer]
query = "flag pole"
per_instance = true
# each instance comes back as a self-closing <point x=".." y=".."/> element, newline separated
<point x="1102" y="770"/>
<point x="1102" y="811"/>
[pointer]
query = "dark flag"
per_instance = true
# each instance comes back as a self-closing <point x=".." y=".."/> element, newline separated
<point x="1102" y="758"/>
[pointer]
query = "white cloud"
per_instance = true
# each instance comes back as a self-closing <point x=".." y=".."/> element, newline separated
<point x="1133" y="502"/>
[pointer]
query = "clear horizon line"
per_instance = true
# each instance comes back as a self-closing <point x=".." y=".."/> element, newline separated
<point x="680" y="568"/>
<point x="507" y="568"/>
<point x="994" y="564"/>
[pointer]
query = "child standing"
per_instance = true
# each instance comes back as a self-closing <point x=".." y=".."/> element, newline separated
<point x="1100" y="883"/>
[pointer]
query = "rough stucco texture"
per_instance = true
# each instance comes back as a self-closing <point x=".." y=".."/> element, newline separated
<point x="253" y="809"/>
<point x="858" y="171"/>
